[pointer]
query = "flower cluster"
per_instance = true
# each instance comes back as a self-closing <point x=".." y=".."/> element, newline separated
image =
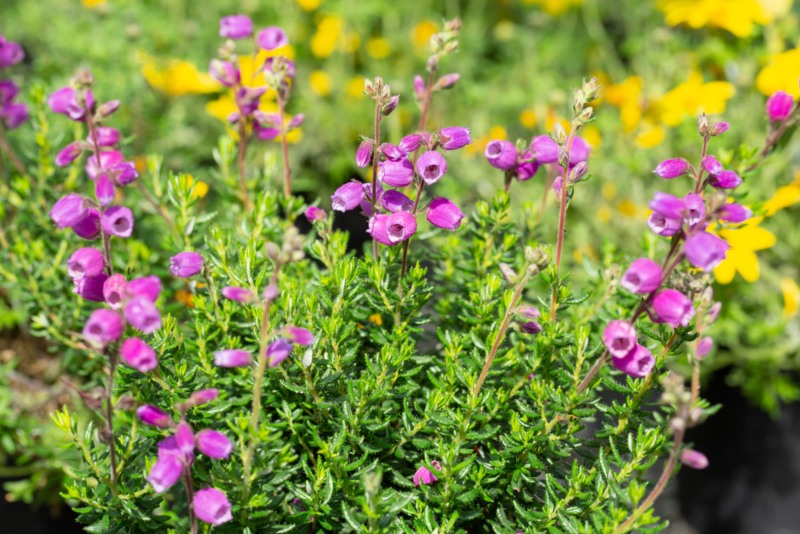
<point x="176" y="456"/>
<point x="12" y="114"/>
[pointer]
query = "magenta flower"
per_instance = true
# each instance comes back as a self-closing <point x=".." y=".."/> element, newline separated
<point x="232" y="358"/>
<point x="526" y="168"/>
<point x="184" y="439"/>
<point x="102" y="327"/>
<point x="530" y="327"/>
<point x="391" y="105"/>
<point x="447" y="81"/>
<point x="115" y="290"/>
<point x="238" y="294"/>
<point x="667" y="205"/>
<point x="88" y="227"/>
<point x="10" y="53"/>
<point x="431" y="166"/>
<point x="703" y="347"/>
<point x="719" y="128"/>
<point x="138" y="355"/>
<point x="663" y="226"/>
<point x="185" y="264"/>
<point x="117" y="221"/>
<point x="712" y="165"/>
<point x="203" y="396"/>
<point x="248" y="98"/>
<point x="8" y="91"/>
<point x="454" y="137"/>
<point x="779" y="106"/>
<point x="366" y="202"/>
<point x="410" y="143"/>
<point x="153" y="416"/>
<point x="148" y="287"/>
<point x="278" y="351"/>
<point x="65" y="102"/>
<point x="106" y="136"/>
<point x="347" y="197"/>
<point x="143" y="315"/>
<point x="393" y="152"/>
<point x="672" y="168"/>
<point x="419" y="87"/>
<point x="424" y="476"/>
<point x="395" y="201"/>
<point x="224" y="72"/>
<point x="501" y="154"/>
<point x="107" y="108"/>
<point x="85" y="262"/>
<point x="397" y="173"/>
<point x="68" y="154"/>
<point x="734" y="213"/>
<point x="643" y="276"/>
<point x="694" y="459"/>
<point x="104" y="190"/>
<point x="213" y="444"/>
<point x="68" y="210"/>
<point x="91" y="287"/>
<point x="705" y="251"/>
<point x="695" y="208"/>
<point x="212" y="506"/>
<point x="619" y="337"/>
<point x="392" y="229"/>
<point x="364" y="154"/>
<point x="726" y="180"/>
<point x="13" y="114"/>
<point x="270" y="292"/>
<point x="637" y="363"/>
<point x="544" y="149"/>
<point x="444" y="214"/>
<point x="168" y="468"/>
<point x="579" y="152"/>
<point x="235" y="27"/>
<point x="272" y="37"/>
<point x="671" y="307"/>
<point x="314" y="213"/>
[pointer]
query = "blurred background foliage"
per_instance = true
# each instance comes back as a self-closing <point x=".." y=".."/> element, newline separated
<point x="661" y="62"/>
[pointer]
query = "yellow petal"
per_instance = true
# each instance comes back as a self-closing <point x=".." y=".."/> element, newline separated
<point x="791" y="297"/>
<point x="726" y="270"/>
<point x="651" y="137"/>
<point x="780" y="74"/>
<point x="747" y="265"/>
<point x="784" y="197"/>
<point x="320" y="83"/>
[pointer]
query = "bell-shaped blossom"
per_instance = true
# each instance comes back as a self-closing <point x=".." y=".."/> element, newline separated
<point x="395" y="201"/>
<point x="213" y="444"/>
<point x="667" y="205"/>
<point x="454" y="137"/>
<point x="184" y="439"/>
<point x="392" y="229"/>
<point x="148" y="287"/>
<point x="526" y="169"/>
<point x="544" y="149"/>
<point x="390" y="105"/>
<point x="248" y="98"/>
<point x="8" y="91"/>
<point x="694" y="459"/>
<point x="117" y="221"/>
<point x="85" y="262"/>
<point x="224" y="72"/>
<point x="298" y="335"/>
<point x="695" y="209"/>
<point x="347" y="197"/>
<point x="88" y="227"/>
<point x="211" y="506"/>
<point x="104" y="190"/>
<point x="444" y="214"/>
<point x="530" y="327"/>
<point x="619" y="337"/>
<point x="277" y="351"/>
<point x="447" y="81"/>
<point x="424" y="475"/>
<point x="272" y="37"/>
<point x="431" y="166"/>
<point x="168" y="468"/>
<point x="637" y="363"/>
<point x="106" y="136"/>
<point x="315" y="213"/>
<point x="235" y="27"/>
<point x="68" y="210"/>
<point x="153" y="416"/>
<point x="108" y="108"/>
<point x="663" y="226"/>
<point x="396" y="173"/>
<point x="91" y="287"/>
<point x="232" y="358"/>
<point x="203" y="396"/>
<point x="719" y="128"/>
<point x="185" y="264"/>
<point x="103" y="327"/>
<point x="671" y="307"/>
<point x="705" y="251"/>
<point x="138" y="355"/>
<point x="68" y="154"/>
<point x="364" y="154"/>
<point x="643" y="276"/>
<point x="115" y="291"/>
<point x="13" y="114"/>
<point x="10" y="53"/>
<point x="672" y="168"/>
<point x="501" y="154"/>
<point x="726" y="180"/>
<point x="712" y="165"/>
<point x="410" y="143"/>
<point x="238" y="294"/>
<point x="579" y="151"/>
<point x="779" y="106"/>
<point x="419" y="87"/>
<point x="393" y="152"/>
<point x="143" y="315"/>
<point x="65" y="102"/>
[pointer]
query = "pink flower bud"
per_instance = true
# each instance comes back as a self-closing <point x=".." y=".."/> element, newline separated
<point x="107" y="108"/>
<point x="212" y="506"/>
<point x="314" y="213"/>
<point x="184" y="439"/>
<point x="779" y="106"/>
<point x="671" y="307"/>
<point x="238" y="294"/>
<point x="299" y="336"/>
<point x="726" y="180"/>
<point x="672" y="168"/>
<point x="88" y="227"/>
<point x="138" y="355"/>
<point x="705" y="251"/>
<point x="364" y="153"/>
<point x="102" y="327"/>
<point x="419" y="87"/>
<point x="278" y="351"/>
<point x="104" y="190"/>
<point x="235" y="27"/>
<point x="703" y="347"/>
<point x="203" y="396"/>
<point x="619" y="337"/>
<point x="667" y="205"/>
<point x="448" y="80"/>
<point x="454" y="137"/>
<point x="712" y="165"/>
<point x="232" y="358"/>
<point x="719" y="128"/>
<point x="150" y="415"/>
<point x="390" y="106"/>
<point x="213" y="444"/>
<point x="271" y="292"/>
<point x="186" y="264"/>
<point x="68" y="154"/>
<point x="68" y="210"/>
<point x="735" y="213"/>
<point x="531" y="327"/>
<point x="106" y="136"/>
<point x="424" y="475"/>
<point x="10" y="53"/>
<point x="643" y="276"/>
<point x="91" y="287"/>
<point x="224" y="72"/>
<point x="272" y="37"/>
<point x="395" y="201"/>
<point x="694" y="459"/>
<point x="444" y="214"/>
<point x="396" y="173"/>
<point x="148" y="287"/>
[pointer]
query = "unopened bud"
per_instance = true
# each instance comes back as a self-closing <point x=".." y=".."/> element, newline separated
<point x="720" y="128"/>
<point x="589" y="89"/>
<point x="586" y="115"/>
<point x="453" y="25"/>
<point x="702" y="125"/>
<point x="578" y="172"/>
<point x="271" y="292"/>
<point x="559" y="134"/>
<point x="273" y="252"/>
<point x="508" y="273"/>
<point x="391" y="105"/>
<point x="448" y="80"/>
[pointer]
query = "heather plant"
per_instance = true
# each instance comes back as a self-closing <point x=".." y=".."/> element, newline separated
<point x="238" y="375"/>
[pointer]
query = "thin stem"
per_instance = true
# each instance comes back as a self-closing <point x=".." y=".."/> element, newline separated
<point x="212" y="290"/>
<point x="548" y="183"/>
<point x="775" y="136"/>
<point x="699" y="182"/>
<point x="426" y="103"/>
<point x="187" y="482"/>
<point x="562" y="221"/>
<point x="407" y="242"/>
<point x="96" y="145"/>
<point x="507" y="184"/>
<point x="287" y="170"/>
<point x="502" y="331"/>
<point x="240" y="159"/>
<point x="112" y="454"/>
<point x="376" y="145"/>
<point x="695" y="382"/>
<point x="6" y="147"/>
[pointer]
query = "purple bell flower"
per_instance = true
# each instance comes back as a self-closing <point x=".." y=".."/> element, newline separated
<point x="314" y="213"/>
<point x="117" y="221"/>
<point x="694" y="459"/>
<point x="671" y="307"/>
<point x="705" y="251"/>
<point x="779" y="106"/>
<point x="238" y="294"/>
<point x="643" y="276"/>
<point x="298" y="335"/>
<point x="619" y="337"/>
<point x="143" y="315"/>
<point x="431" y="166"/>
<point x="667" y="205"/>
<point x="68" y="210"/>
<point x="454" y="137"/>
<point x="91" y="287"/>
<point x="138" y="355"/>
<point x="104" y="190"/>
<point x="501" y="154"/>
<point x="153" y="416"/>
<point x="115" y="291"/>
<point x="85" y="262"/>
<point x="230" y="358"/>
<point x="68" y="154"/>
<point x="272" y="37"/>
<point x="726" y="180"/>
<point x="734" y="213"/>
<point x="88" y="227"/>
<point x="444" y="214"/>
<point x="185" y="264"/>
<point x="148" y="287"/>
<point x="695" y="209"/>
<point x="364" y="154"/>
<point x="278" y="351"/>
<point x="397" y="173"/>
<point x="672" y="168"/>
<point x="168" y="468"/>
<point x="410" y="143"/>
<point x="663" y="226"/>
<point x="203" y="396"/>
<point x="637" y="363"/>
<point x="235" y="27"/>
<point x="395" y="201"/>
<point x="544" y="149"/>
<point x="224" y="72"/>
<point x="13" y="114"/>
<point x="424" y="475"/>
<point x="212" y="506"/>
<point x="712" y="165"/>
<point x="10" y="53"/>
<point x="103" y="327"/>
<point x="392" y="229"/>
<point x="347" y="197"/>
<point x="213" y="444"/>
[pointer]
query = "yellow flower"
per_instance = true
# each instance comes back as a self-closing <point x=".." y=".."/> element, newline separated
<point x="554" y="7"/>
<point x="781" y="74"/>
<point x="376" y="319"/>
<point x="200" y="188"/>
<point x="692" y="97"/>
<point x="329" y="30"/>
<point x="309" y="5"/>
<point x="528" y="119"/>
<point x="175" y="77"/>
<point x="422" y="33"/>
<point x="478" y="146"/>
<point x="735" y="16"/>
<point x="650" y="136"/>
<point x="591" y="134"/>
<point x="784" y="197"/>
<point x="627" y="96"/>
<point x="791" y="297"/>
<point x="185" y="298"/>
<point x="378" y="48"/>
<point x="741" y="257"/>
<point x="355" y="87"/>
<point x="320" y="83"/>
<point x="91" y="4"/>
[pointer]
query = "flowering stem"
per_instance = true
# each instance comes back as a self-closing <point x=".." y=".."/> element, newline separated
<point x="502" y="331"/>
<point x="562" y="220"/>
<point x="699" y="182"/>
<point x="187" y="482"/>
<point x="376" y="144"/>
<point x="5" y="146"/>
<point x="426" y="104"/>
<point x="112" y="454"/>
<point x="240" y="158"/>
<point x="106" y="238"/>
<point x="287" y="170"/>
<point x="507" y="185"/>
<point x="407" y="242"/>
<point x="775" y="136"/>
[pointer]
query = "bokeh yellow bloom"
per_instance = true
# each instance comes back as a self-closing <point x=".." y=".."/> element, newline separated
<point x="650" y="136"/>
<point x="355" y="87"/>
<point x="554" y="7"/>
<point x="320" y="83"/>
<point x="781" y="74"/>
<point x="528" y="119"/>
<point x="200" y="188"/>
<point x="741" y="257"/>
<point x="378" y="48"/>
<point x="736" y="16"/>
<point x="421" y="33"/>
<point x="784" y="197"/>
<point x="627" y="96"/>
<point x="91" y="4"/>
<point x="478" y="145"/>
<point x="175" y="77"/>
<point x="326" y="38"/>
<point x="309" y="5"/>
<point x="693" y="97"/>
<point x="791" y="297"/>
